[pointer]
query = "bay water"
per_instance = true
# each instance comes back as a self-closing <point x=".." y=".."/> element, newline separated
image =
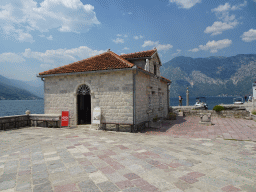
<point x="18" y="107"/>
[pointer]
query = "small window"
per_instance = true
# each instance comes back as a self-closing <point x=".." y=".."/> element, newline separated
<point x="155" y="69"/>
<point x="149" y="100"/>
<point x="160" y="100"/>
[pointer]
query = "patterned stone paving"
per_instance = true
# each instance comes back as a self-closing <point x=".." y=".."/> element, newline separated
<point x="181" y="156"/>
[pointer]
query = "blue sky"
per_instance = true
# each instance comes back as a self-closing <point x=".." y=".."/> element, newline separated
<point x="37" y="35"/>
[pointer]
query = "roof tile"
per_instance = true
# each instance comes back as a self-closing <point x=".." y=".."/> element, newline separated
<point x="148" y="53"/>
<point x="104" y="61"/>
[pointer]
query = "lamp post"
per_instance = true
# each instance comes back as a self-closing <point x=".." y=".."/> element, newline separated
<point x="187" y="97"/>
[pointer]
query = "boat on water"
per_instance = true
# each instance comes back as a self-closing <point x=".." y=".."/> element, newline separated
<point x="238" y="101"/>
<point x="201" y="103"/>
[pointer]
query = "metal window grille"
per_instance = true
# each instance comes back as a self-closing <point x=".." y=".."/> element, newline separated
<point x="83" y="90"/>
<point x="149" y="100"/>
<point x="160" y="100"/>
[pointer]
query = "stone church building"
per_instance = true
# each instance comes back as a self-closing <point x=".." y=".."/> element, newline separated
<point x="128" y="89"/>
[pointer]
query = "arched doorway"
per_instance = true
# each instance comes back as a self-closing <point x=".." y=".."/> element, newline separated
<point x="83" y="105"/>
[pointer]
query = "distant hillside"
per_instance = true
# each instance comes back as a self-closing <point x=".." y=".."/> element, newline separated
<point x="8" y="92"/>
<point x="211" y="76"/>
<point x="35" y="87"/>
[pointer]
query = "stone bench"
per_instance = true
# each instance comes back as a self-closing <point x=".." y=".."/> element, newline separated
<point x="46" y="119"/>
<point x="205" y="118"/>
<point x="133" y="129"/>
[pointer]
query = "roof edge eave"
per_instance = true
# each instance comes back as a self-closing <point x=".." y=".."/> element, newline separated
<point x="84" y="72"/>
<point x="138" y="58"/>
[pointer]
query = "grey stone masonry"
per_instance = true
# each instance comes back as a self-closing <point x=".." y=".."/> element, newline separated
<point x="111" y="91"/>
<point x="150" y="88"/>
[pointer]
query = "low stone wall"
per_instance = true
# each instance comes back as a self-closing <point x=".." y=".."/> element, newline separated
<point x="16" y="121"/>
<point x="224" y="113"/>
<point x="41" y="120"/>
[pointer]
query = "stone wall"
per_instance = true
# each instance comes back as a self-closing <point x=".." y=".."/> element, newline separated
<point x="111" y="91"/>
<point x="224" y="113"/>
<point x="150" y="86"/>
<point x="140" y="63"/>
<point x="15" y="121"/>
<point x="37" y="120"/>
<point x="153" y="61"/>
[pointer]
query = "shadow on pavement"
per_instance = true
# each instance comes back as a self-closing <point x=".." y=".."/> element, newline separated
<point x="164" y="125"/>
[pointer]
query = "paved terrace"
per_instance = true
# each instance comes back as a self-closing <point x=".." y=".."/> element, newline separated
<point x="180" y="156"/>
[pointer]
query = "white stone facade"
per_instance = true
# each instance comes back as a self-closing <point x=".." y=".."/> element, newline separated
<point x="150" y="88"/>
<point x="125" y="96"/>
<point x="112" y="91"/>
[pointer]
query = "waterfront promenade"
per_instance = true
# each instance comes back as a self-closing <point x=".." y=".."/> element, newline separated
<point x="179" y="156"/>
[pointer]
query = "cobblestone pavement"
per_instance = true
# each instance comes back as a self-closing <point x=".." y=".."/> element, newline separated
<point x="64" y="160"/>
<point x="226" y="128"/>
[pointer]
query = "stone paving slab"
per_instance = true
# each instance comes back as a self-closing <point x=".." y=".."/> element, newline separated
<point x="62" y="159"/>
<point x="226" y="128"/>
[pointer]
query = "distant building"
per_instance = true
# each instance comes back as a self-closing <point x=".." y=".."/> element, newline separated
<point x="254" y="90"/>
<point x="128" y="88"/>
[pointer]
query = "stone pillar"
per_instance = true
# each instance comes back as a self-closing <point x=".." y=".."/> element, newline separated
<point x="253" y="102"/>
<point x="187" y="97"/>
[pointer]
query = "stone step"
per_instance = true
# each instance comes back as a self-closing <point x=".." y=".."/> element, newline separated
<point x="88" y="126"/>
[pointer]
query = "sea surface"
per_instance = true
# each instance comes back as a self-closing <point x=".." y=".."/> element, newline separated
<point x="19" y="107"/>
<point x="211" y="101"/>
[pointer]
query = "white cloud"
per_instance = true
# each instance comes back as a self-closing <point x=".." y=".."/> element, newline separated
<point x="221" y="8"/>
<point x="213" y="46"/>
<point x="11" y="58"/>
<point x="50" y="37"/>
<point x="118" y="40"/>
<point x="227" y="21"/>
<point x="129" y="13"/>
<point x="237" y="7"/>
<point x="62" y="56"/>
<point x="120" y="35"/>
<point x="218" y="27"/>
<point x="194" y="50"/>
<point x="249" y="35"/>
<point x="186" y="4"/>
<point x="46" y="66"/>
<point x="160" y="47"/>
<point x="23" y="36"/>
<point x="164" y="47"/>
<point x="138" y="37"/>
<point x="19" y="17"/>
<point x="150" y="43"/>
<point x="26" y="65"/>
<point x="177" y="53"/>
<point x="227" y="7"/>
<point x="125" y="48"/>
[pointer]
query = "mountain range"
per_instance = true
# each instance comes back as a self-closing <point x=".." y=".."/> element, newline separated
<point x="11" y="89"/>
<point x="211" y="76"/>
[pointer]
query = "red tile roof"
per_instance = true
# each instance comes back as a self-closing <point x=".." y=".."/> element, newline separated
<point x="148" y="53"/>
<point x="104" y="61"/>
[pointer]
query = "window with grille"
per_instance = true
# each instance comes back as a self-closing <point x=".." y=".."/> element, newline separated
<point x="160" y="100"/>
<point x="149" y="100"/>
<point x="155" y="69"/>
<point x="83" y="90"/>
